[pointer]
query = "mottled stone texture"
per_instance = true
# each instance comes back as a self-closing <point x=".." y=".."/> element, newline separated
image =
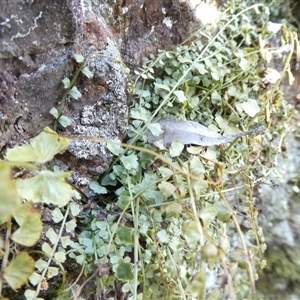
<point x="34" y="57"/>
<point x="38" y="40"/>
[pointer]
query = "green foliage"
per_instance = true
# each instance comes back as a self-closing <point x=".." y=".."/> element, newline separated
<point x="71" y="90"/>
<point x="46" y="187"/>
<point x="30" y="224"/>
<point x="174" y="221"/>
<point x="19" y="269"/>
<point x="124" y="271"/>
<point x="8" y="191"/>
<point x="33" y="185"/>
<point x="41" y="148"/>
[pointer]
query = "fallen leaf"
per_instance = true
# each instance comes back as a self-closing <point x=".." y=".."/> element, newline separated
<point x="190" y="132"/>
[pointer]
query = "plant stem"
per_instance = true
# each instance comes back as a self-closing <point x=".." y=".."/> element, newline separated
<point x="53" y="250"/>
<point x="202" y="292"/>
<point x="239" y="231"/>
<point x="135" y="213"/>
<point x="6" y="252"/>
<point x="64" y="98"/>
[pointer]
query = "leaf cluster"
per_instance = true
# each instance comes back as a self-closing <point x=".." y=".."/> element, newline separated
<point x="70" y="90"/>
<point x="31" y="185"/>
<point x="178" y="208"/>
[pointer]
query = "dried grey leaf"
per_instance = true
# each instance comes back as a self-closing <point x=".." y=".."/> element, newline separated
<point x="190" y="132"/>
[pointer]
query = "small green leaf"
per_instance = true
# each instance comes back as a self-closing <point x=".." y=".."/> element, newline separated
<point x="194" y="149"/>
<point x="232" y="91"/>
<point x="244" y="64"/>
<point x="75" y="93"/>
<point x="52" y="271"/>
<point x="52" y="236"/>
<point x="163" y="236"/>
<point x="165" y="172"/>
<point x="66" y="81"/>
<point x="60" y="256"/>
<point x="215" y="97"/>
<point x="209" y="250"/>
<point x="65" y="241"/>
<point x="86" y="71"/>
<point x="41" y="148"/>
<point x="191" y="233"/>
<point x="250" y="107"/>
<point x="70" y="225"/>
<point x="167" y="188"/>
<point x="207" y="215"/>
<point x="97" y="188"/>
<point x="162" y="86"/>
<point x="40" y="264"/>
<point x="201" y="68"/>
<point x="224" y="211"/>
<point x="140" y="114"/>
<point x="115" y="149"/>
<point x="155" y="128"/>
<point x="80" y="259"/>
<point x="238" y="255"/>
<point x="180" y="96"/>
<point x="79" y="58"/>
<point x="145" y="94"/>
<point x="47" y="248"/>
<point x="18" y="271"/>
<point x="173" y="209"/>
<point x="176" y="148"/>
<point x="124" y="271"/>
<point x="123" y="199"/>
<point x="65" y="121"/>
<point x="125" y="234"/>
<point x="199" y="187"/>
<point x="215" y="74"/>
<point x="223" y="124"/>
<point x="196" y="166"/>
<point x="109" y="179"/>
<point x="54" y="112"/>
<point x="34" y="278"/>
<point x="46" y="187"/>
<point x="75" y="209"/>
<point x="30" y="294"/>
<point x="130" y="162"/>
<point x="57" y="216"/>
<point x="102" y="250"/>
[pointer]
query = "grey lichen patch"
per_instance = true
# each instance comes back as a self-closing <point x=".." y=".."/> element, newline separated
<point x="106" y="114"/>
<point x="85" y="148"/>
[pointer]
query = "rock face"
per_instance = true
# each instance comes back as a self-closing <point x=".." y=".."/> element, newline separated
<point x="38" y="40"/>
<point x="33" y="60"/>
